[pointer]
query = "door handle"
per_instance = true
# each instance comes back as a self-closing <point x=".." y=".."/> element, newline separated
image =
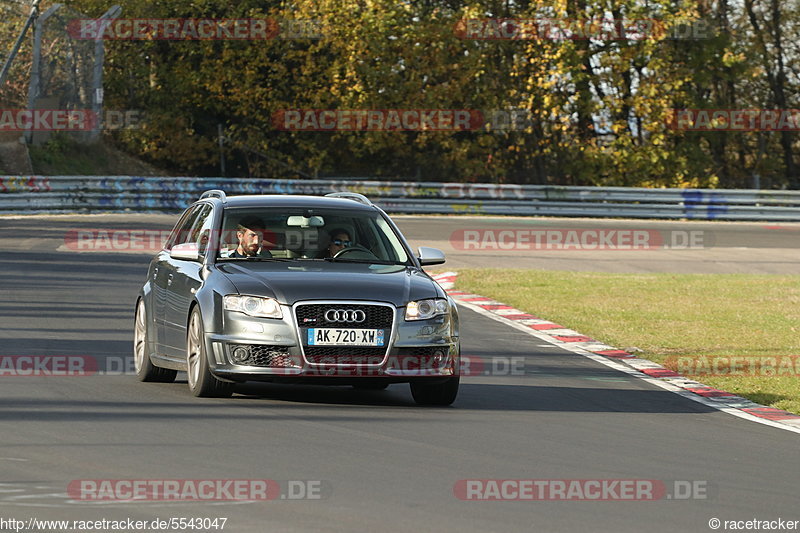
<point x="169" y="280"/>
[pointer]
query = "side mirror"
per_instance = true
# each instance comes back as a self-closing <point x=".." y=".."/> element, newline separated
<point x="186" y="252"/>
<point x="430" y="256"/>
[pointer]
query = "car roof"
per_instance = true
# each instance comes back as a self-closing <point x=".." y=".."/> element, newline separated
<point x="292" y="200"/>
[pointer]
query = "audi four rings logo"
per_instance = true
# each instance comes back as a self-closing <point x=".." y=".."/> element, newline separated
<point x="345" y="315"/>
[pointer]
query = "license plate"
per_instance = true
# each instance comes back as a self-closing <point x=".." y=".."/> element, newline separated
<point x="344" y="337"/>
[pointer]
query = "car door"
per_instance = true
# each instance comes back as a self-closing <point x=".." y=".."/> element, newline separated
<point x="183" y="280"/>
<point x="163" y="269"/>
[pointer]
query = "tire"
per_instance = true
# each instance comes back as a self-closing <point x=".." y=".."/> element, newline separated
<point x="440" y="394"/>
<point x="145" y="369"/>
<point x="202" y="383"/>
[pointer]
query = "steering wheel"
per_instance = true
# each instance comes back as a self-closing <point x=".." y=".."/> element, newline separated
<point x="356" y="248"/>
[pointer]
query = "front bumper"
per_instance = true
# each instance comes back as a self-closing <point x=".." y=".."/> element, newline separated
<point x="417" y="349"/>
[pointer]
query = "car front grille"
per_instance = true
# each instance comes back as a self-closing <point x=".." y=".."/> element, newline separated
<point x="313" y="316"/>
<point x="345" y="355"/>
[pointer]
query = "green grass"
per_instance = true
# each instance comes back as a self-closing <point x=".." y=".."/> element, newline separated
<point x="65" y="156"/>
<point x="61" y="155"/>
<point x="667" y="315"/>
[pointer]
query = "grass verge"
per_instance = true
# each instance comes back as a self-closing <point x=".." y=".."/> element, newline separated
<point x="64" y="156"/>
<point x="673" y="319"/>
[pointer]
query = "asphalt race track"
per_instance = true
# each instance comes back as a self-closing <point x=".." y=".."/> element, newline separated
<point x="382" y="463"/>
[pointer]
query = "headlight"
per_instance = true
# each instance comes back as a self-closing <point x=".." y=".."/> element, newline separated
<point x="425" y="309"/>
<point x="253" y="306"/>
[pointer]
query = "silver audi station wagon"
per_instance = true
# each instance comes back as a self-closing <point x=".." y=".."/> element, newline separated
<point x="288" y="288"/>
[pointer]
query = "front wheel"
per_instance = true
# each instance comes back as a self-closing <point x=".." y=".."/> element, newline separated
<point x="145" y="369"/>
<point x="201" y="382"/>
<point x="441" y="394"/>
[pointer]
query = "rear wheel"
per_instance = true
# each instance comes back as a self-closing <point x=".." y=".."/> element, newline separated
<point x="201" y="382"/>
<point x="441" y="393"/>
<point x="145" y="369"/>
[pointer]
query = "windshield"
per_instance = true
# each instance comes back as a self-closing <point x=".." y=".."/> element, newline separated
<point x="297" y="234"/>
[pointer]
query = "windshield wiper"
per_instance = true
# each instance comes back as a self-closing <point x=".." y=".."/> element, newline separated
<point x="363" y="261"/>
<point x="255" y="258"/>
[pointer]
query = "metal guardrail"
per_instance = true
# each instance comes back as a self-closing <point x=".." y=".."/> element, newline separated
<point x="38" y="194"/>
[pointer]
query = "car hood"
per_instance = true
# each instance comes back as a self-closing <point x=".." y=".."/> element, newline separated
<point x="292" y="282"/>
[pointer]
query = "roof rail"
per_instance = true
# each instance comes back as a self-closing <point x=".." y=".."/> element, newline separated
<point x="215" y="193"/>
<point x="360" y="198"/>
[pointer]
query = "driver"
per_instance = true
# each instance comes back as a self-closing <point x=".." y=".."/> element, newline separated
<point x="340" y="239"/>
<point x="251" y="235"/>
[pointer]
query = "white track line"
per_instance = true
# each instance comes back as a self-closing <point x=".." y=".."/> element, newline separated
<point x="732" y="405"/>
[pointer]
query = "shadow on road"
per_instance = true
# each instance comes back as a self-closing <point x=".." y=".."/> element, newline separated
<point x="257" y="401"/>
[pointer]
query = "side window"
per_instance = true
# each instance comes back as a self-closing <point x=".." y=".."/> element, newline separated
<point x="182" y="228"/>
<point x="201" y="230"/>
<point x="391" y="241"/>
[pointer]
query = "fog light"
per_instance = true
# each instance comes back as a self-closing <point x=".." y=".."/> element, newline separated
<point x="240" y="354"/>
<point x="438" y="356"/>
